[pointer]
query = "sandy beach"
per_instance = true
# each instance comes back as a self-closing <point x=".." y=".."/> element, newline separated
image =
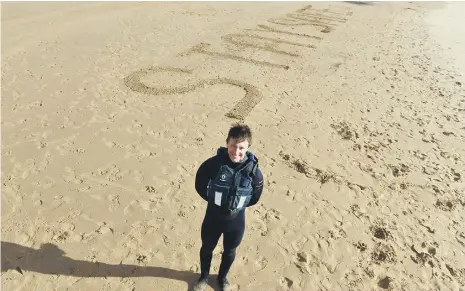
<point x="358" y="116"/>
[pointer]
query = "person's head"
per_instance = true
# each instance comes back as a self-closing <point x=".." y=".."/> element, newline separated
<point x="238" y="142"/>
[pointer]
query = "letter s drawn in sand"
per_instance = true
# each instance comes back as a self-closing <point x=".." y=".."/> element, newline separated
<point x="240" y="110"/>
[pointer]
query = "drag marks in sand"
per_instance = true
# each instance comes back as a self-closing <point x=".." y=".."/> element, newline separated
<point x="324" y="20"/>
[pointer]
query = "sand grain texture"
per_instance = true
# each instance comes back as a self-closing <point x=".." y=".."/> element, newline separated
<point x="359" y="119"/>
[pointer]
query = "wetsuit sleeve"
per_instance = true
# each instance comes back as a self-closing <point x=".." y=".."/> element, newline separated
<point x="257" y="184"/>
<point x="204" y="175"/>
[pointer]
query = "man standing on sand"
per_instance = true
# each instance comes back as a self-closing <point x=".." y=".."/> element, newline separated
<point x="229" y="182"/>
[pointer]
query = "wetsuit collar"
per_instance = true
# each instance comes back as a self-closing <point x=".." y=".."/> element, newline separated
<point x="223" y="151"/>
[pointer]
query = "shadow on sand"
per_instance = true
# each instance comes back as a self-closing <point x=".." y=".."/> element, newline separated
<point x="49" y="259"/>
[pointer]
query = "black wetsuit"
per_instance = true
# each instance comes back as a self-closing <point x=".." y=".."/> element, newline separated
<point x="216" y="222"/>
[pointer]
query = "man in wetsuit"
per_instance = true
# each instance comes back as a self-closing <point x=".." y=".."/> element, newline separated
<point x="229" y="182"/>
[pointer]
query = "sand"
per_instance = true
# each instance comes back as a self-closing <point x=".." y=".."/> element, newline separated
<point x="358" y="113"/>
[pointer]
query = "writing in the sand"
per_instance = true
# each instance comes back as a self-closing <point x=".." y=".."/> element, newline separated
<point x="324" y="20"/>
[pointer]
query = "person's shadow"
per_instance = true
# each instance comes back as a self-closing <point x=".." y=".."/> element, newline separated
<point x="49" y="259"/>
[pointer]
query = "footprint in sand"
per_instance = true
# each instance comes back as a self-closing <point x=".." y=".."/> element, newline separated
<point x="259" y="227"/>
<point x="78" y="151"/>
<point x="399" y="170"/>
<point x="361" y="246"/>
<point x="111" y="173"/>
<point x="380" y="230"/>
<point x="198" y="141"/>
<point x="195" y="268"/>
<point x="448" y="133"/>
<point x="421" y="257"/>
<point x="303" y="167"/>
<point x="114" y="204"/>
<point x="70" y="176"/>
<point x="60" y="236"/>
<point x="267" y="215"/>
<point x="385" y="282"/>
<point x="141" y="259"/>
<point x="303" y="261"/>
<point x="398" y="186"/>
<point x="383" y="253"/>
<point x="337" y="233"/>
<point x="299" y="243"/>
<point x="345" y="130"/>
<point x="450" y="156"/>
<point x="303" y="257"/>
<point x="456" y="176"/>
<point x="286" y="282"/>
<point x="152" y="204"/>
<point x="446" y="205"/>
<point x="102" y="229"/>
<point x="260" y="264"/>
<point x="182" y="214"/>
<point x="358" y="212"/>
<point x="150" y="189"/>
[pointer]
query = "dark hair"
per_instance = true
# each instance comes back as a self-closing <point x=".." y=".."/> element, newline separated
<point x="240" y="132"/>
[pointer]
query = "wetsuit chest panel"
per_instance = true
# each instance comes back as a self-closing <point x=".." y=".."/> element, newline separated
<point x="220" y="187"/>
<point x="231" y="190"/>
<point x="242" y="191"/>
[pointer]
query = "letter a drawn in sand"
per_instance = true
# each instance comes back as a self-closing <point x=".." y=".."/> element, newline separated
<point x="265" y="28"/>
<point x="240" y="40"/>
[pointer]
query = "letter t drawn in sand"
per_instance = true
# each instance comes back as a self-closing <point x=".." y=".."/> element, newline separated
<point x="203" y="48"/>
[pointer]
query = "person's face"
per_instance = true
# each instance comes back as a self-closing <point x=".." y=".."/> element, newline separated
<point x="237" y="149"/>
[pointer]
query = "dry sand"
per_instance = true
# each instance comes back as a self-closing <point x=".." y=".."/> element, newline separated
<point x="358" y="113"/>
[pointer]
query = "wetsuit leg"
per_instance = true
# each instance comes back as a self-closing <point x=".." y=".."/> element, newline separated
<point x="210" y="234"/>
<point x="232" y="238"/>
